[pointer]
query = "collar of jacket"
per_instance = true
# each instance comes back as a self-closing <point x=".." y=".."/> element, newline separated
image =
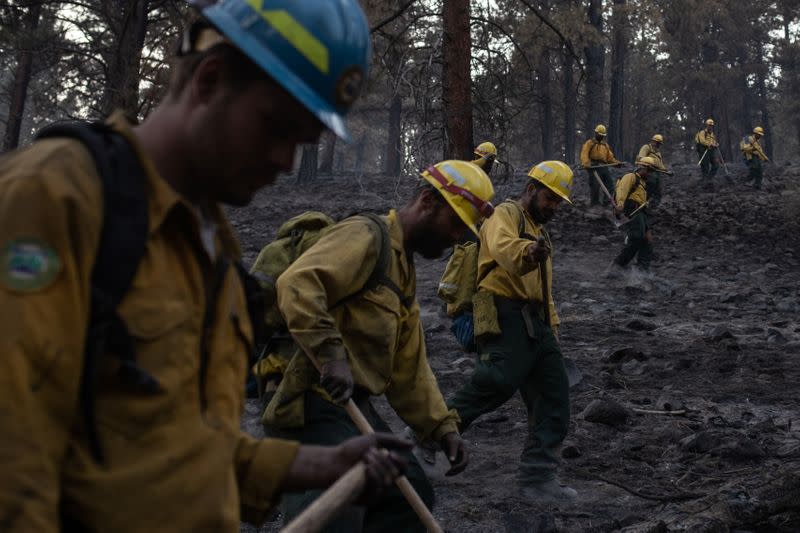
<point x="163" y="199"/>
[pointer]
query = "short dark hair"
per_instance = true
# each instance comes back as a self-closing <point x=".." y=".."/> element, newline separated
<point x="536" y="183"/>
<point x="240" y="69"/>
<point x="425" y="186"/>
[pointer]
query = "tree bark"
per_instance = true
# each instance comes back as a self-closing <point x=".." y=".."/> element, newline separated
<point x="308" y="164"/>
<point x="456" y="80"/>
<point x="394" y="145"/>
<point x="570" y="116"/>
<point x="595" y="64"/>
<point x="129" y="20"/>
<point x="616" y="134"/>
<point x="22" y="77"/>
<point x="328" y="150"/>
<point x="763" y="98"/>
<point x="545" y="104"/>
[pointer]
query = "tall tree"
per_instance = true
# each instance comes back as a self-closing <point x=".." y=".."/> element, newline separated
<point x="595" y="53"/>
<point x="128" y="20"/>
<point x="618" y="57"/>
<point x="27" y="21"/>
<point x="456" y="80"/>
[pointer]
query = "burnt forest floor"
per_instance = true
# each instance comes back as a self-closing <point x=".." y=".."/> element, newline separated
<point x="712" y="333"/>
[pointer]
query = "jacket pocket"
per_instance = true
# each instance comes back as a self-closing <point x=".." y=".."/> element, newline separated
<point x="166" y="350"/>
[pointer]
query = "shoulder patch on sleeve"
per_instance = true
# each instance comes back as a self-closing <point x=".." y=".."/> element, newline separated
<point x="28" y="265"/>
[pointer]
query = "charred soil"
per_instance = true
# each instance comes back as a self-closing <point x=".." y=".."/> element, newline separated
<point x="702" y="358"/>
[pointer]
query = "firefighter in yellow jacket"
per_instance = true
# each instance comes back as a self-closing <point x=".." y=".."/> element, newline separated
<point x="486" y="153"/>
<point x="653" y="150"/>
<point x="369" y="341"/>
<point x="170" y="453"/>
<point x="631" y="197"/>
<point x="596" y="158"/>
<point x="516" y="328"/>
<point x="707" y="146"/>
<point x="754" y="156"/>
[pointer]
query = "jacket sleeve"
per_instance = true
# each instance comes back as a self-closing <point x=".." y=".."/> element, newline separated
<point x="611" y="160"/>
<point x="644" y="151"/>
<point x="623" y="189"/>
<point x="414" y="393"/>
<point x="49" y="202"/>
<point x="261" y="469"/>
<point x="337" y="266"/>
<point x="500" y="236"/>
<point x="585" y="161"/>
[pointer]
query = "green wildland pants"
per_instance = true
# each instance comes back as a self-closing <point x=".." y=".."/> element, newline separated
<point x="328" y="424"/>
<point x="635" y="243"/>
<point x="756" y="171"/>
<point x="528" y="362"/>
<point x="709" y="164"/>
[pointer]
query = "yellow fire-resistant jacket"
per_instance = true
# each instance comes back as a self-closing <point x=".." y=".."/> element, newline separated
<point x="649" y="151"/>
<point x="706" y="138"/>
<point x="629" y="189"/>
<point x="501" y="244"/>
<point x="753" y="148"/>
<point x="171" y="463"/>
<point x="382" y="339"/>
<point x="594" y="150"/>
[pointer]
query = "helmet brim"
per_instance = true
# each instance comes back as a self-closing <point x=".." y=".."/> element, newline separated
<point x="277" y="70"/>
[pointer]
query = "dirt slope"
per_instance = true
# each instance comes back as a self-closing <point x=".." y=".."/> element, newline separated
<point x="714" y="333"/>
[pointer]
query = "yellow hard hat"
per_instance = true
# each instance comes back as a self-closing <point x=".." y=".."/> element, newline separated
<point x="600" y="130"/>
<point x="556" y="176"/>
<point x="646" y="161"/>
<point x="709" y="122"/>
<point x="466" y="187"/>
<point x="658" y="138"/>
<point x="485" y="149"/>
<point x="759" y="130"/>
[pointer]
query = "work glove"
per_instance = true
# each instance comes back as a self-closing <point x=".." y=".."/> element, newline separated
<point x="537" y="252"/>
<point x="463" y="330"/>
<point x="455" y="449"/>
<point x="337" y="380"/>
<point x="648" y="236"/>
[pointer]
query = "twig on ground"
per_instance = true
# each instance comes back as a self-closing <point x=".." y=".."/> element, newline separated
<point x="653" y="412"/>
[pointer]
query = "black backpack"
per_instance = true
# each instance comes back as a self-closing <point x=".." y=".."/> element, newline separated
<point x="123" y="241"/>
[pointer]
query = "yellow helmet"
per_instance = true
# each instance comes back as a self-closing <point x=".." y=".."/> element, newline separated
<point x="556" y="176"/>
<point x="600" y="130"/>
<point x="466" y="187"/>
<point x="646" y="161"/>
<point x="758" y="130"/>
<point x="709" y="122"/>
<point x="658" y="138"/>
<point x="485" y="149"/>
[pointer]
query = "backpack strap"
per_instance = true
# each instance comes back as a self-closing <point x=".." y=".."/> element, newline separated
<point x="122" y="245"/>
<point x="380" y="274"/>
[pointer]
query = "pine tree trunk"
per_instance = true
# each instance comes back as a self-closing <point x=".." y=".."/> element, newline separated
<point x="394" y="145"/>
<point x="545" y="104"/>
<point x="616" y="134"/>
<point x="570" y="116"/>
<point x="308" y="164"/>
<point x="329" y="149"/>
<point x="129" y="21"/>
<point x="456" y="80"/>
<point x="22" y="78"/>
<point x="595" y="64"/>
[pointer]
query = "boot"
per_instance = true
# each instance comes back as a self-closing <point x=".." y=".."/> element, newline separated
<point x="549" y="491"/>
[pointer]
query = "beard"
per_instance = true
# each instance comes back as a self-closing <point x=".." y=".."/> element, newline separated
<point x="540" y="216"/>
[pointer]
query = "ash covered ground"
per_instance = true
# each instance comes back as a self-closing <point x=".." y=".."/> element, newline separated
<point x="687" y="417"/>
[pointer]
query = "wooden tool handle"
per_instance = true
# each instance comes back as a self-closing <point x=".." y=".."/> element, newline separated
<point x="402" y="482"/>
<point x="331" y="502"/>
